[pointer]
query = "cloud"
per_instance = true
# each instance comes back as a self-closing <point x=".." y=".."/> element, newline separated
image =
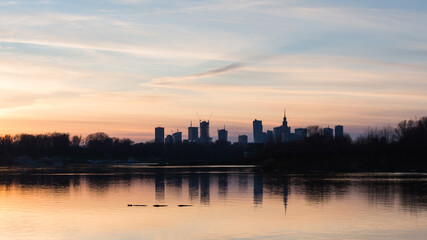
<point x="209" y="73"/>
<point x="116" y="47"/>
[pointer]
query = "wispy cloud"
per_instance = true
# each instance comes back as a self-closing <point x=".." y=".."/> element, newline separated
<point x="209" y="73"/>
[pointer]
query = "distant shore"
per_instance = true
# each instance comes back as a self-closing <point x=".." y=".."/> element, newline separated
<point x="403" y="148"/>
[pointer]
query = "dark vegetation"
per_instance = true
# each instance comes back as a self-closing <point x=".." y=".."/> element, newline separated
<point x="402" y="148"/>
<point x="99" y="147"/>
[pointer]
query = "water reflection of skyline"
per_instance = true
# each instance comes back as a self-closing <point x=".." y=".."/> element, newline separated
<point x="207" y="188"/>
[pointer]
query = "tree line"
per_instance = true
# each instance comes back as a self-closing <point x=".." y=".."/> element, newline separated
<point x="100" y="146"/>
<point x="400" y="148"/>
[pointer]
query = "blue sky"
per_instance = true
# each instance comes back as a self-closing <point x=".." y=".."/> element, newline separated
<point x="125" y="67"/>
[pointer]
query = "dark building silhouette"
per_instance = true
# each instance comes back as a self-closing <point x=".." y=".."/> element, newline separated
<point x="277" y="132"/>
<point x="223" y="135"/>
<point x="301" y="132"/>
<point x="159" y="135"/>
<point x="339" y="131"/>
<point x="204" y="132"/>
<point x="328" y="133"/>
<point x="283" y="133"/>
<point x="177" y="137"/>
<point x="269" y="136"/>
<point x="193" y="133"/>
<point x="169" y="139"/>
<point x="243" y="140"/>
<point x="257" y="130"/>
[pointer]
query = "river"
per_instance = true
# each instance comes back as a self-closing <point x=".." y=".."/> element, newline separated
<point x="228" y="202"/>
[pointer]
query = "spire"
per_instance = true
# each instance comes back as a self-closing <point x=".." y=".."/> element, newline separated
<point x="285" y="122"/>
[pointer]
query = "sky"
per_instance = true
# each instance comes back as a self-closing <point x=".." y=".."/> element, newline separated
<point x="125" y="67"/>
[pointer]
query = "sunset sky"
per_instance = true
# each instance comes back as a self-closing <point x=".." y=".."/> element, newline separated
<point x="125" y="67"/>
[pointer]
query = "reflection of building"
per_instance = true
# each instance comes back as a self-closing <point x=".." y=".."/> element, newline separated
<point x="258" y="188"/>
<point x="177" y="137"/>
<point x="339" y="131"/>
<point x="243" y="183"/>
<point x="328" y="133"/>
<point x="204" y="189"/>
<point x="257" y="130"/>
<point x="174" y="184"/>
<point x="223" y="185"/>
<point x="159" y="180"/>
<point x="285" y="194"/>
<point x="193" y="186"/>
<point x="204" y="132"/>
<point x="159" y="135"/>
<point x="193" y="133"/>
<point x="222" y="135"/>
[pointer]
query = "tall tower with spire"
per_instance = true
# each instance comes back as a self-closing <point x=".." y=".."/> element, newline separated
<point x="282" y="133"/>
<point x="285" y="122"/>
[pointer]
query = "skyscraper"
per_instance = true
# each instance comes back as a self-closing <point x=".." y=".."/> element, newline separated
<point x="339" y="131"/>
<point x="159" y="135"/>
<point x="243" y="139"/>
<point x="177" y="137"/>
<point x="282" y="133"/>
<point x="285" y="121"/>
<point x="204" y="132"/>
<point x="193" y="133"/>
<point x="169" y="139"/>
<point x="257" y="129"/>
<point x="269" y="137"/>
<point x="328" y="133"/>
<point x="222" y="135"/>
<point x="301" y="132"/>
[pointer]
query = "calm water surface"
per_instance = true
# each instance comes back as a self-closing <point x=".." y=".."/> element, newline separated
<point x="225" y="203"/>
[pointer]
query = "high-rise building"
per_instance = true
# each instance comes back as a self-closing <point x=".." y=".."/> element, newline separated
<point x="339" y="131"/>
<point x="282" y="133"/>
<point x="277" y="132"/>
<point x="328" y="133"/>
<point x="204" y="132"/>
<point x="222" y="135"/>
<point x="177" y="137"/>
<point x="159" y="135"/>
<point x="285" y="121"/>
<point x="301" y="132"/>
<point x="169" y="139"/>
<point x="193" y="133"/>
<point x="269" y="136"/>
<point x="257" y="129"/>
<point x="242" y="139"/>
